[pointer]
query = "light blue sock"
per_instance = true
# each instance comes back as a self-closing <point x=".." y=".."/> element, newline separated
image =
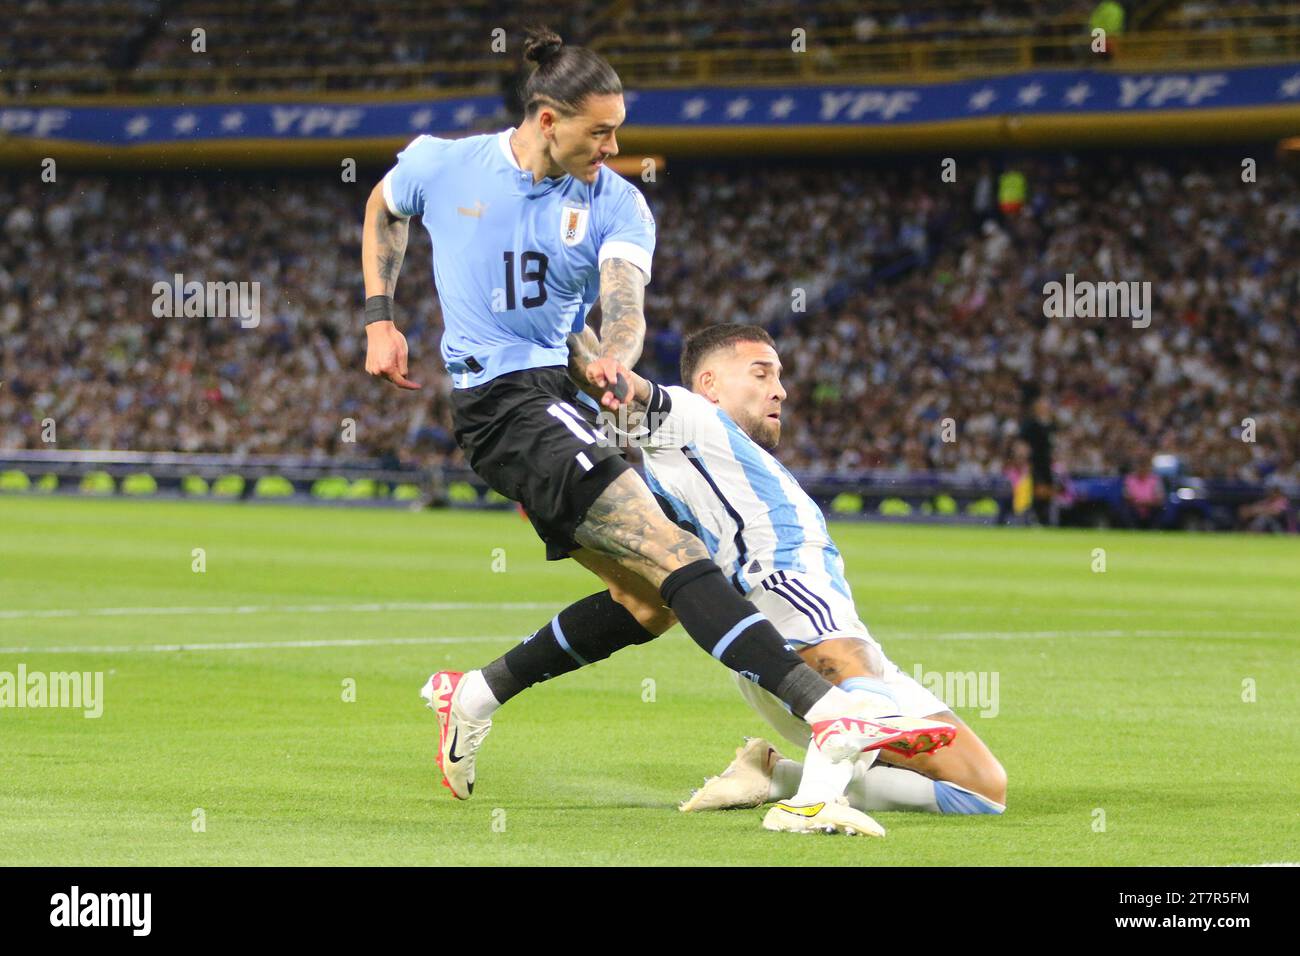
<point x="954" y="799"/>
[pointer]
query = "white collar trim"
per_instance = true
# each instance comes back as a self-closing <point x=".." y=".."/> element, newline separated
<point x="503" y="140"/>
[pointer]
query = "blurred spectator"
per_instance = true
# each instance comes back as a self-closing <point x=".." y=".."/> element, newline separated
<point x="913" y="313"/>
<point x="1144" y="496"/>
<point x="1273" y="513"/>
<point x="1038" y="430"/>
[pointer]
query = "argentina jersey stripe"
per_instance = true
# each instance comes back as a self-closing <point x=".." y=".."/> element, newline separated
<point x="782" y="515"/>
<point x="696" y="459"/>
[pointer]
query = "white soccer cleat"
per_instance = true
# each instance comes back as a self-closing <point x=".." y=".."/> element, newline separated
<point x="844" y="737"/>
<point x="459" y="737"/>
<point x="745" y="783"/>
<point x="827" y="817"/>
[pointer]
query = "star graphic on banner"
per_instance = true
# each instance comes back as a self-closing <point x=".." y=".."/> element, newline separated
<point x="421" y="118"/>
<point x="1290" y="86"/>
<point x="232" y="121"/>
<point x="1031" y="94"/>
<point x="464" y="115"/>
<point x="982" y="99"/>
<point x="781" y="108"/>
<point x="137" y="125"/>
<point x="185" y="123"/>
<point x="694" y="107"/>
<point x="736" y="109"/>
<point x="1076" y="94"/>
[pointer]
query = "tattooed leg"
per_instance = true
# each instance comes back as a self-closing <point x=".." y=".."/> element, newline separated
<point x="626" y="523"/>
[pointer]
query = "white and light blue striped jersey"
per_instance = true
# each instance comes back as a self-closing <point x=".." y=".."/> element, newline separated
<point x="516" y="264"/>
<point x="749" y="511"/>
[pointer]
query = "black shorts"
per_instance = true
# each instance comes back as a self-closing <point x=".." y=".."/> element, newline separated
<point x="529" y="437"/>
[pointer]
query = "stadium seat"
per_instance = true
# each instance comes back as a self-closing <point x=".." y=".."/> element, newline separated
<point x="228" y="486"/>
<point x="14" y="481"/>
<point x="97" y="483"/>
<point x="329" y="489"/>
<point x="846" y="503"/>
<point x="273" y="486"/>
<point x="139" y="484"/>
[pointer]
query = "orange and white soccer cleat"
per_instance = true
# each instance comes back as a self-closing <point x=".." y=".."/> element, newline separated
<point x="459" y="737"/>
<point x="844" y="737"/>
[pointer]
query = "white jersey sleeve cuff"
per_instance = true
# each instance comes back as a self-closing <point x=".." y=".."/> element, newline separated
<point x="620" y="249"/>
<point x="388" y="198"/>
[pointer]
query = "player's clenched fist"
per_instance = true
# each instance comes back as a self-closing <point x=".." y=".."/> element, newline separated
<point x="386" y="353"/>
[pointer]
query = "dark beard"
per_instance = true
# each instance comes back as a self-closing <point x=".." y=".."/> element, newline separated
<point x="766" y="435"/>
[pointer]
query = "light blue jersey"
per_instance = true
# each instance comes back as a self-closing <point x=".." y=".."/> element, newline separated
<point x="517" y="265"/>
<point x="749" y="511"/>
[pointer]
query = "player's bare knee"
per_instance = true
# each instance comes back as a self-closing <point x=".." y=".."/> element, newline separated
<point x="983" y="773"/>
<point x="992" y="779"/>
<point x="841" y="659"/>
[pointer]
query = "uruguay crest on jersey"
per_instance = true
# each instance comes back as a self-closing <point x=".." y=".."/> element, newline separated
<point x="573" y="223"/>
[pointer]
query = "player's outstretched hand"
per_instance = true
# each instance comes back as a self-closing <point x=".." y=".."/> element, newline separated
<point x="611" y="375"/>
<point x="386" y="353"/>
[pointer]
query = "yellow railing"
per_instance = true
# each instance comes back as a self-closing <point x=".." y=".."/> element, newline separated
<point x="871" y="62"/>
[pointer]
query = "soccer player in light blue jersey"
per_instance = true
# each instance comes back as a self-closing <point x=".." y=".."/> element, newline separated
<point x="529" y="229"/>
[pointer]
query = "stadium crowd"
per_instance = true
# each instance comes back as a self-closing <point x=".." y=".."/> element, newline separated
<point x="898" y="301"/>
<point x="151" y="46"/>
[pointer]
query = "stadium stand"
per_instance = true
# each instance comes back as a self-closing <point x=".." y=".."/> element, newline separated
<point x="148" y="46"/>
<point x="924" y="301"/>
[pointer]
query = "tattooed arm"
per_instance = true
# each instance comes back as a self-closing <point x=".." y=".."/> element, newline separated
<point x="622" y="303"/>
<point x="383" y="246"/>
<point x="622" y="326"/>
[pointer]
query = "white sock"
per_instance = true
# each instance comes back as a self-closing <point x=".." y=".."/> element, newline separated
<point x="785" y="780"/>
<point x="476" y="698"/>
<point x="873" y="695"/>
<point x="822" y="779"/>
<point x="834" y="703"/>
<point x="857" y="695"/>
<point x="891" y="788"/>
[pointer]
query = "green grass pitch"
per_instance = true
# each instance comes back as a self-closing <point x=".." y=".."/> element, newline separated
<point x="1125" y="697"/>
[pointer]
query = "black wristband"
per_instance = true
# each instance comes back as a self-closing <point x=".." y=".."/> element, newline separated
<point x="379" y="308"/>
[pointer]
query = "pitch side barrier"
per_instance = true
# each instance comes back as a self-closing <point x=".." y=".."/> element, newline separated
<point x="878" y="495"/>
<point x="1048" y="107"/>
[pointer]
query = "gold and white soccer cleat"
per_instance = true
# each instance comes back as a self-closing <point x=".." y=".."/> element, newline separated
<point x="825" y="817"/>
<point x="745" y="783"/>
<point x="459" y="737"/>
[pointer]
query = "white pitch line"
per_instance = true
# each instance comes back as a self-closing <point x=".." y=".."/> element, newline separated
<point x="1047" y="635"/>
<point x="1085" y="611"/>
<point x="381" y="641"/>
<point x="282" y="609"/>
<point x="253" y="645"/>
